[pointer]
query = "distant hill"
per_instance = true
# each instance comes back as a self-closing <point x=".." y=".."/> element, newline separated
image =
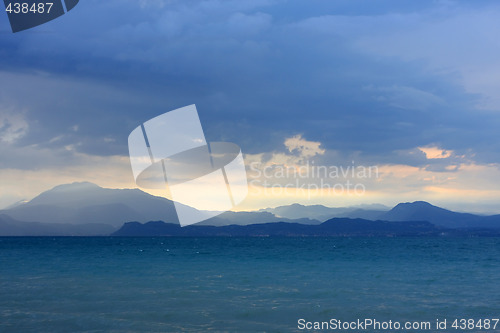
<point x="367" y="214"/>
<point x="86" y="204"/>
<point x="424" y="211"/>
<point x="333" y="227"/>
<point x="80" y="203"/>
<point x="87" y="209"/>
<point x="243" y="218"/>
<point x="323" y="213"/>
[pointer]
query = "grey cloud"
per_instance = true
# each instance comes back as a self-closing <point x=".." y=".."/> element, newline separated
<point x="259" y="72"/>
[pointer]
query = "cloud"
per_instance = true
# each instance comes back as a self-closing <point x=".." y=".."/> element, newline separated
<point x="370" y="82"/>
<point x="435" y="152"/>
<point x="456" y="39"/>
<point x="407" y="98"/>
<point x="299" y="151"/>
<point x="257" y="70"/>
<point x="242" y="24"/>
<point x="305" y="149"/>
<point x="64" y="111"/>
<point x="13" y="125"/>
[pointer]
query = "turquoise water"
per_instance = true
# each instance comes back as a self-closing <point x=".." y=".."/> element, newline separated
<point x="241" y="284"/>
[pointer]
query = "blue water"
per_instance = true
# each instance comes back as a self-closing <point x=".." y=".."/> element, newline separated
<point x="241" y="284"/>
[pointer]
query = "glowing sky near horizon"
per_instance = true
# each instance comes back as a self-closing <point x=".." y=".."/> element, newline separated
<point x="410" y="87"/>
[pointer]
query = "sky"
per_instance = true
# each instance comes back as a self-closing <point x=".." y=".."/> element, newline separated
<point x="408" y="88"/>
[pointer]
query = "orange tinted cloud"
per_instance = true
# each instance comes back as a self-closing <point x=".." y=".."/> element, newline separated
<point x="435" y="152"/>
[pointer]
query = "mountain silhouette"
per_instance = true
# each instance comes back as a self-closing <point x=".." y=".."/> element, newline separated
<point x="332" y="227"/>
<point x="88" y="204"/>
<point x="424" y="211"/>
<point x="323" y="213"/>
<point x="88" y="209"/>
<point x="80" y="203"/>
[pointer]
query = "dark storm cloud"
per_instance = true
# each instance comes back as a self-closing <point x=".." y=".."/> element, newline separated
<point x="258" y="71"/>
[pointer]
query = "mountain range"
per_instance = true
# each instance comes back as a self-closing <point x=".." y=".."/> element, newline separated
<point x="424" y="211"/>
<point x="323" y="213"/>
<point x="87" y="209"/>
<point x="332" y="227"/>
